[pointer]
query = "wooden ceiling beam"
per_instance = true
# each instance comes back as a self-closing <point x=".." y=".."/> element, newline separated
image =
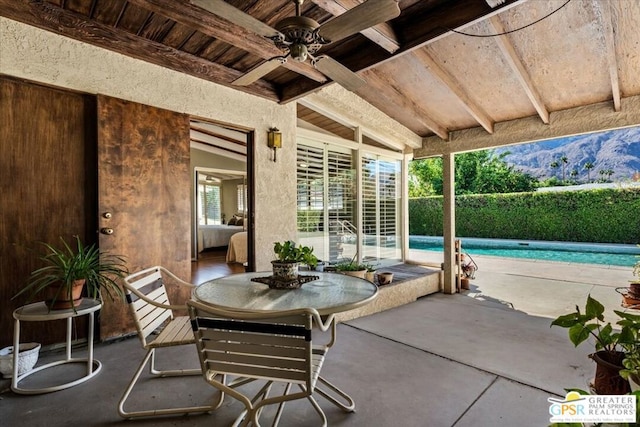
<point x="383" y="84"/>
<point x="513" y="59"/>
<point x="418" y="28"/>
<point x="573" y="121"/>
<point x="223" y="30"/>
<point x="216" y="141"/>
<point x="382" y="34"/>
<point x="603" y="12"/>
<point x="52" y="18"/>
<point x="427" y="62"/>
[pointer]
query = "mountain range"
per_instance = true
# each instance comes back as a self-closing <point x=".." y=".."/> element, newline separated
<point x="616" y="150"/>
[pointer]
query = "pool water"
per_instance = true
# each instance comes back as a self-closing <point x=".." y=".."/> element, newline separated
<point x="586" y="253"/>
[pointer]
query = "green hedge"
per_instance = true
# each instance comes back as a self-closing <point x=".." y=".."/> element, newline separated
<point x="598" y="216"/>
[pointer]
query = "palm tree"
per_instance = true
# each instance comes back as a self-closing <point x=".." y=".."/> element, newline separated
<point x="554" y="164"/>
<point x="573" y="174"/>
<point x="588" y="166"/>
<point x="564" y="161"/>
<point x="608" y="173"/>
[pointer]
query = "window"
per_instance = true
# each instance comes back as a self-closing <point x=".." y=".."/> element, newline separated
<point x="209" y="204"/>
<point x="326" y="201"/>
<point x="241" y="194"/>
<point x="381" y="207"/>
<point x="328" y="210"/>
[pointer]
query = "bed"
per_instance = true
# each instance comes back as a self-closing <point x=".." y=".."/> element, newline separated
<point x="213" y="236"/>
<point x="237" y="251"/>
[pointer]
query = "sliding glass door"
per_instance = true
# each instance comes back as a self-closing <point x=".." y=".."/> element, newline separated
<point x="328" y="211"/>
<point x="381" y="191"/>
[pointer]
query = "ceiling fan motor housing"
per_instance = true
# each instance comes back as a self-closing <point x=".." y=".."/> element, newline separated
<point x="300" y="36"/>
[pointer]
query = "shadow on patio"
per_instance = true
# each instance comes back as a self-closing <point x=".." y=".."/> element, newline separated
<point x="461" y="360"/>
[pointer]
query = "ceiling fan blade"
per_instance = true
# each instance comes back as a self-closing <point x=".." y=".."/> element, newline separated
<point x="259" y="71"/>
<point x="359" y="18"/>
<point x="338" y="73"/>
<point x="236" y="16"/>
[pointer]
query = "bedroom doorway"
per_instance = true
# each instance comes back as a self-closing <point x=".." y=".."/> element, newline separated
<point x="222" y="200"/>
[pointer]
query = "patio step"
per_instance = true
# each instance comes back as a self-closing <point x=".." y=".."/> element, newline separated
<point x="410" y="282"/>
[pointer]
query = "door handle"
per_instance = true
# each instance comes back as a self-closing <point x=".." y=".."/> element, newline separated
<point x="106" y="230"/>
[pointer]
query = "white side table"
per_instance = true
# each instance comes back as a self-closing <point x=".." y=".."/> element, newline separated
<point x="39" y="312"/>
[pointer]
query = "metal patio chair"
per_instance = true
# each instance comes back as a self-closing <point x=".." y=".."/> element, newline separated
<point x="158" y="327"/>
<point x="274" y="346"/>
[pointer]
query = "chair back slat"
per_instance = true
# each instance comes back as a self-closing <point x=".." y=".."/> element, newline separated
<point x="142" y="279"/>
<point x="290" y="352"/>
<point x="246" y="337"/>
<point x="148" y="317"/>
<point x="254" y="345"/>
<point x="261" y="372"/>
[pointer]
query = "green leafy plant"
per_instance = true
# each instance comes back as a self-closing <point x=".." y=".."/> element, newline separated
<point x="66" y="264"/>
<point x="631" y="363"/>
<point x="351" y="265"/>
<point x="591" y="323"/>
<point x="290" y="252"/>
<point x="636" y="270"/>
<point x="370" y="268"/>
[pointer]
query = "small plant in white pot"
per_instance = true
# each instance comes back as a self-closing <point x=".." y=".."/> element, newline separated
<point x="289" y="256"/>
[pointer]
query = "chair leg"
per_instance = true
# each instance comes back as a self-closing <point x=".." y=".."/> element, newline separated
<point x="155" y="412"/>
<point x="247" y="416"/>
<point x="170" y="372"/>
<point x="350" y="405"/>
<point x="317" y="407"/>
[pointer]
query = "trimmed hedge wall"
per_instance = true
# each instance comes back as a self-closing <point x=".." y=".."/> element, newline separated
<point x="596" y="216"/>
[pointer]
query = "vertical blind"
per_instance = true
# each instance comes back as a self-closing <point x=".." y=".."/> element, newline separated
<point x="209" y="204"/>
<point x="381" y="207"/>
<point x="327" y="205"/>
<point x="326" y="200"/>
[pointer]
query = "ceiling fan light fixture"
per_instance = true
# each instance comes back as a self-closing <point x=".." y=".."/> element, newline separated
<point x="299" y="52"/>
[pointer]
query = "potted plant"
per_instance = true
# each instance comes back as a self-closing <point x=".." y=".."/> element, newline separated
<point x="352" y="267"/>
<point x="68" y="269"/>
<point x="611" y="346"/>
<point x="370" y="274"/>
<point x="289" y="256"/>
<point x="631" y="294"/>
<point x="631" y="371"/>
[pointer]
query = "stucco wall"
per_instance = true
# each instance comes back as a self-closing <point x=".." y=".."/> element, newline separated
<point x="30" y="53"/>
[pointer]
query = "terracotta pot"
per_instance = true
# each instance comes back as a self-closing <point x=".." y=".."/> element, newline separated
<point x="608" y="380"/>
<point x="58" y="299"/>
<point x="630" y="302"/>
<point x="634" y="290"/>
<point x="360" y="273"/>
<point x="464" y="283"/>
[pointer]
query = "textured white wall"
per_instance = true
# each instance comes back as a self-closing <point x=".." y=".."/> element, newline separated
<point x="34" y="54"/>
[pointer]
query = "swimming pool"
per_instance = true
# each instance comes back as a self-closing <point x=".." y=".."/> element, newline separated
<point x="586" y="253"/>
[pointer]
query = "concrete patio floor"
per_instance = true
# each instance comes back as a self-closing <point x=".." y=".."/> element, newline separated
<point x="486" y="357"/>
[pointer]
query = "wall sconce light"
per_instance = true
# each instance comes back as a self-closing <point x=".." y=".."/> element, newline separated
<point x="274" y="140"/>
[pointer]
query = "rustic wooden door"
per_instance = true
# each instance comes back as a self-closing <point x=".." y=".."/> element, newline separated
<point x="143" y="195"/>
<point x="47" y="137"/>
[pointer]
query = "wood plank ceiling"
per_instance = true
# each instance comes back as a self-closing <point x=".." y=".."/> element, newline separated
<point x="551" y="55"/>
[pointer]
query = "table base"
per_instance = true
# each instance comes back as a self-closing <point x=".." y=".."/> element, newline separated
<point x="97" y="366"/>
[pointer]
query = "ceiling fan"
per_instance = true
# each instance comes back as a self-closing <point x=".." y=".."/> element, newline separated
<point x="300" y="37"/>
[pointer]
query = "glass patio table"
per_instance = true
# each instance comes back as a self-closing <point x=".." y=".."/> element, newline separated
<point x="331" y="293"/>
